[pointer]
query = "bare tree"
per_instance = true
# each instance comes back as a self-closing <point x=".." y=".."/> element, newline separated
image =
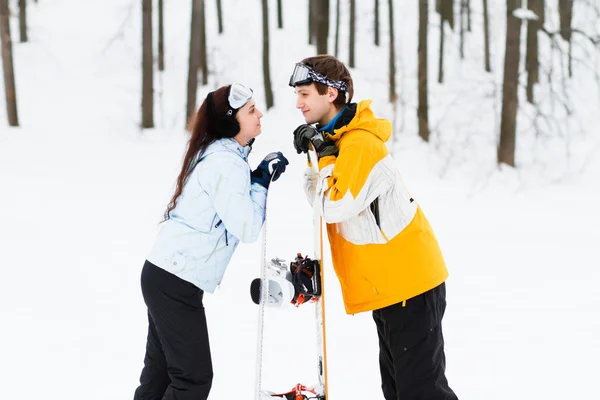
<point x="147" y="67"/>
<point x="194" y="60"/>
<point x="279" y="15"/>
<point x="565" y="8"/>
<point x="266" y="58"/>
<point x="312" y="7"/>
<point x="531" y="57"/>
<point x="510" y="98"/>
<point x="337" y="27"/>
<point x="322" y="26"/>
<point x="161" y="36"/>
<point x="469" y="15"/>
<point x="203" y="52"/>
<point x="376" y="26"/>
<point x="392" y="52"/>
<point x="422" y="110"/>
<point x="352" y="42"/>
<point x="463" y="15"/>
<point x="23" y="19"/>
<point x="445" y="9"/>
<point x="441" y="56"/>
<point x="7" y="64"/>
<point x="220" y="15"/>
<point x="486" y="36"/>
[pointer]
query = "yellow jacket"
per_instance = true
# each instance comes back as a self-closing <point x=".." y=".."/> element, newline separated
<point x="384" y="261"/>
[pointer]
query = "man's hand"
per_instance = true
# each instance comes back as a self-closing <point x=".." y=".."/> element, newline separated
<point x="305" y="133"/>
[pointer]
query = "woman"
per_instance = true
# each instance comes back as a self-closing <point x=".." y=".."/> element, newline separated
<point x="218" y="202"/>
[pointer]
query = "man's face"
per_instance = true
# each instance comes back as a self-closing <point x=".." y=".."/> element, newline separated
<point x="314" y="106"/>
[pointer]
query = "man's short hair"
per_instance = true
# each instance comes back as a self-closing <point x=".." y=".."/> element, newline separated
<point x="333" y="69"/>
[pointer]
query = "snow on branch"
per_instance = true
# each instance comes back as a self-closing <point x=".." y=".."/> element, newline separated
<point x="525" y="14"/>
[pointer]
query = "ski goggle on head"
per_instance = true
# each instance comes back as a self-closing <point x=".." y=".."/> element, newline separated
<point x="238" y="96"/>
<point x="304" y="75"/>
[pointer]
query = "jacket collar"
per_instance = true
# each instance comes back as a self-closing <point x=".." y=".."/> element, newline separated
<point x="227" y="144"/>
<point x="342" y="119"/>
<point x="332" y="124"/>
<point x="233" y="145"/>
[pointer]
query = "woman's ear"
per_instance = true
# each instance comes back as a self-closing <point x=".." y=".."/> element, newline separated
<point x="227" y="126"/>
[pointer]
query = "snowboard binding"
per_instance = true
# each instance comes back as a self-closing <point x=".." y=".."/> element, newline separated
<point x="299" y="284"/>
<point x="299" y="392"/>
<point x="306" y="278"/>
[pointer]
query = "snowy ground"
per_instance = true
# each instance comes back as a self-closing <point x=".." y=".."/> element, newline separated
<point x="83" y="189"/>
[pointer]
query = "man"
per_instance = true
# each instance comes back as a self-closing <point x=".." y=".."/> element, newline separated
<point x="384" y="251"/>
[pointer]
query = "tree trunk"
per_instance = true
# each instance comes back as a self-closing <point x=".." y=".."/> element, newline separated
<point x="352" y="42"/>
<point x="220" y="15"/>
<point x="312" y="4"/>
<point x="23" y="20"/>
<point x="279" y="14"/>
<point x="441" y="56"/>
<point x="446" y="9"/>
<point x="570" y="66"/>
<point x="392" y="53"/>
<point x="531" y="57"/>
<point x="422" y="111"/>
<point x="337" y="27"/>
<point x="161" y="36"/>
<point x="462" y="18"/>
<point x="376" y="26"/>
<point x="7" y="64"/>
<point x="147" y="67"/>
<point x="194" y="60"/>
<point x="469" y="15"/>
<point x="322" y="26"/>
<point x="510" y="98"/>
<point x="203" y="52"/>
<point x="565" y="8"/>
<point x="266" y="67"/>
<point x="486" y="36"/>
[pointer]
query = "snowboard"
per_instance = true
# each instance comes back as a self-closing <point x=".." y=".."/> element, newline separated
<point x="298" y="283"/>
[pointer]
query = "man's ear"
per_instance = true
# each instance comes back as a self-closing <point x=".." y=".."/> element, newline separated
<point x="332" y="94"/>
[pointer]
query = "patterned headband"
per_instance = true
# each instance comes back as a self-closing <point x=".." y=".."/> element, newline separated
<point x="320" y="78"/>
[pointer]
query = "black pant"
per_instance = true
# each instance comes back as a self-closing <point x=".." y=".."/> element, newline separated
<point x="411" y="348"/>
<point x="177" y="365"/>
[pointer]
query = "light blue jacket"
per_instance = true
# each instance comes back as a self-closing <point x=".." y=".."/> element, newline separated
<point x="218" y="208"/>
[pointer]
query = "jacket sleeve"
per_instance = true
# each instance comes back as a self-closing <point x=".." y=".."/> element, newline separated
<point x="350" y="182"/>
<point x="238" y="203"/>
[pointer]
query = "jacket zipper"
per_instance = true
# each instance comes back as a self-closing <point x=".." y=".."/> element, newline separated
<point x="226" y="238"/>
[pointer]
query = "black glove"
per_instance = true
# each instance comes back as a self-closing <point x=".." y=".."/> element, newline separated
<point x="306" y="132"/>
<point x="272" y="165"/>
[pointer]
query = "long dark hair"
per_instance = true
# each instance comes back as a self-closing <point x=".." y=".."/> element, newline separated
<point x="203" y="133"/>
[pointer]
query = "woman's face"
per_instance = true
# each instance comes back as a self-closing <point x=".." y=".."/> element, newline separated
<point x="249" y="119"/>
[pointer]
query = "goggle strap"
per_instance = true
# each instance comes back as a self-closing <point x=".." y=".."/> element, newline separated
<point x="304" y="73"/>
